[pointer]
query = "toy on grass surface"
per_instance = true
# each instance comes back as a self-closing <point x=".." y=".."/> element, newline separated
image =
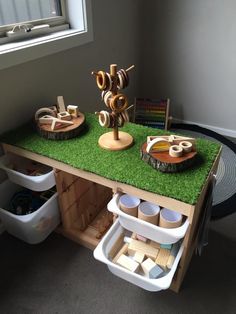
<point x="169" y="153"/>
<point x="111" y="84"/>
<point x="59" y="122"/>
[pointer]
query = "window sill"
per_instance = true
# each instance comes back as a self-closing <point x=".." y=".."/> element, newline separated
<point x="20" y="52"/>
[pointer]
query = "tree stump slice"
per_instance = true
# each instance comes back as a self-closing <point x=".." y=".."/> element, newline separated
<point x="65" y="133"/>
<point x="163" y="162"/>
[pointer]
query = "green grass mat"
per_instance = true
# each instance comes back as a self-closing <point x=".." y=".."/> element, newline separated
<point x="125" y="166"/>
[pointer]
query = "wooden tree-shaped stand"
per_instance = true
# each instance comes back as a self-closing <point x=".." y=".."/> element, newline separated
<point x="115" y="140"/>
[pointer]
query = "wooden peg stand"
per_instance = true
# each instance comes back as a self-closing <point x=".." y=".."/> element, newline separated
<point x="115" y="140"/>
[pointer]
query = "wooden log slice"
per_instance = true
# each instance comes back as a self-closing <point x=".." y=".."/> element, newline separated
<point x="164" y="162"/>
<point x="65" y="133"/>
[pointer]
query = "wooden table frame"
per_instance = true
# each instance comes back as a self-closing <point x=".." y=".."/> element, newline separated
<point x="86" y="238"/>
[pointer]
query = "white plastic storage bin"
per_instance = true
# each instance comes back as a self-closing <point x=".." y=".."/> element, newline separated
<point x="101" y="253"/>
<point x="32" y="228"/>
<point x="35" y="183"/>
<point x="146" y="229"/>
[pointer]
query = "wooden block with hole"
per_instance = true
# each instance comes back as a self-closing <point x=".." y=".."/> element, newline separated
<point x="73" y="110"/>
<point x="162" y="258"/>
<point x="64" y="115"/>
<point x="151" y="269"/>
<point x="142" y="247"/>
<point x="128" y="263"/>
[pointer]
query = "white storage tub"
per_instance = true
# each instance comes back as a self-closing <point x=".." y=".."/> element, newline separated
<point x="146" y="229"/>
<point x="35" y="183"/>
<point x="32" y="228"/>
<point x="101" y="253"/>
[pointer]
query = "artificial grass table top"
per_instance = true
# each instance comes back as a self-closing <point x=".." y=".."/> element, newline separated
<point x="124" y="166"/>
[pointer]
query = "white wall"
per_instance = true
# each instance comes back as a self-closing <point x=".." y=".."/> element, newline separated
<point x="26" y="87"/>
<point x="190" y="56"/>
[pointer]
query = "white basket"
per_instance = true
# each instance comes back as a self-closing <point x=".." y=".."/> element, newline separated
<point x="35" y="183"/>
<point x="146" y="229"/>
<point x="32" y="228"/>
<point x="102" y="251"/>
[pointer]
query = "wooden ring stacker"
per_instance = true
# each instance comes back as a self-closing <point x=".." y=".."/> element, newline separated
<point x="104" y="118"/>
<point x="44" y="110"/>
<point x="114" y="104"/>
<point x="175" y="151"/>
<point x="187" y="146"/>
<point x="101" y="80"/>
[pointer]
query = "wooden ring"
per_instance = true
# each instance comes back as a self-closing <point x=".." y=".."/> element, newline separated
<point x="126" y="77"/>
<point x="120" y="83"/>
<point x="187" y="146"/>
<point x="101" y="80"/>
<point x="120" y="120"/>
<point x="125" y="116"/>
<point x="175" y="151"/>
<point x="107" y="98"/>
<point x="43" y="111"/>
<point x="115" y="103"/>
<point x="104" y="118"/>
<point x="109" y="85"/>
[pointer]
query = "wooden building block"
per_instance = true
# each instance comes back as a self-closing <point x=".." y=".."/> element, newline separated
<point x="64" y="115"/>
<point x="141" y="238"/>
<point x="166" y="246"/>
<point x="61" y="104"/>
<point x="162" y="258"/>
<point x="116" y="247"/>
<point x="154" y="244"/>
<point x="151" y="269"/>
<point x="139" y="257"/>
<point x="139" y="246"/>
<point x="173" y="253"/>
<point x="123" y="250"/>
<point x="73" y="110"/>
<point x="127" y="263"/>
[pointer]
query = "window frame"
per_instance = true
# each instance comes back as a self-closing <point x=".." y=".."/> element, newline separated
<point x="57" y="20"/>
<point x="79" y="15"/>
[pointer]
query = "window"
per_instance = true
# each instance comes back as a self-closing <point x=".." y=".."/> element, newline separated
<point x="29" y="18"/>
<point x="30" y="29"/>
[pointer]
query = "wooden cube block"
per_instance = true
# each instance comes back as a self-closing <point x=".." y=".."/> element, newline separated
<point x="73" y="110"/>
<point x="151" y="269"/>
<point x="162" y="258"/>
<point x="139" y="257"/>
<point x="127" y="263"/>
